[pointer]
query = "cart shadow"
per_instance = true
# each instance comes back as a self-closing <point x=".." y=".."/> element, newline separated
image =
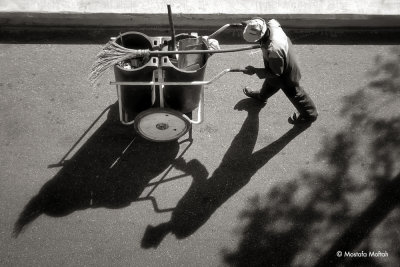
<point x="206" y="194"/>
<point x="110" y="170"/>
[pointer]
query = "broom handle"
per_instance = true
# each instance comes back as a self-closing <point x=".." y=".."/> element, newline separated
<point x="165" y="53"/>
<point x="171" y="25"/>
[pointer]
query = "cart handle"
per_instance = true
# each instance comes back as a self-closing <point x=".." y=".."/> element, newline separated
<point x="224" y="28"/>
<point x="216" y="77"/>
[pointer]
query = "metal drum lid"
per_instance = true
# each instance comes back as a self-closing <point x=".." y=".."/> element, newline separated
<point x="161" y="124"/>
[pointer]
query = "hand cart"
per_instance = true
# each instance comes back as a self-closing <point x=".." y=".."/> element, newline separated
<point x="160" y="96"/>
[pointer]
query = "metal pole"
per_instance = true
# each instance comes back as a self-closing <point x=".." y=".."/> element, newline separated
<point x="171" y="24"/>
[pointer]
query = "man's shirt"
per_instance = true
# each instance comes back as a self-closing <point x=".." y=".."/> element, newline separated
<point x="278" y="56"/>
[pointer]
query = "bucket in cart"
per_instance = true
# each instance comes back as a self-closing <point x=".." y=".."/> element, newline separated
<point x="168" y="122"/>
<point x="187" y="68"/>
<point x="135" y="99"/>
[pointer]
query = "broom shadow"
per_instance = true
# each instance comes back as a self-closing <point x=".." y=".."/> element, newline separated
<point x="110" y="170"/>
<point x="207" y="194"/>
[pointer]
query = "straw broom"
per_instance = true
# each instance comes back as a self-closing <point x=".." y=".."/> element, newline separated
<point x="113" y="53"/>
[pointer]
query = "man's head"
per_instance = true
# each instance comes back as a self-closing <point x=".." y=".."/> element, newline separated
<point x="254" y="30"/>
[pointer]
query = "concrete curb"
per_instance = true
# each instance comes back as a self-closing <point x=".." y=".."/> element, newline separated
<point x="194" y="20"/>
<point x="98" y="27"/>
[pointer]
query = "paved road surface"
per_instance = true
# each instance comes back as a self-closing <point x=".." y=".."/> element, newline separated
<point x="89" y="213"/>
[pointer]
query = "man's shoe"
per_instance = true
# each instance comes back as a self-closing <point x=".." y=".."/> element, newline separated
<point x="300" y="120"/>
<point x="253" y="94"/>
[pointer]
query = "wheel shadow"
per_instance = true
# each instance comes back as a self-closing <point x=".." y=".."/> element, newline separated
<point x="207" y="193"/>
<point x="110" y="170"/>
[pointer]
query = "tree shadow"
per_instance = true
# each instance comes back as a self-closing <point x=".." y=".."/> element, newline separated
<point x="207" y="194"/>
<point x="350" y="205"/>
<point x="110" y="170"/>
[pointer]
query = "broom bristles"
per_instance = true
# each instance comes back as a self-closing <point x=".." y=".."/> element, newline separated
<point x="111" y="54"/>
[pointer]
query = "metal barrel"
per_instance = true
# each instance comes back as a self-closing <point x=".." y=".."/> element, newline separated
<point x="186" y="68"/>
<point x="135" y="99"/>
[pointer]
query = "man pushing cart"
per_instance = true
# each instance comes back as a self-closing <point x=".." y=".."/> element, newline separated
<point x="160" y="80"/>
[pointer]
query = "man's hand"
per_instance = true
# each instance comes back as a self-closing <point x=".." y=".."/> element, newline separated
<point x="249" y="70"/>
<point x="260" y="72"/>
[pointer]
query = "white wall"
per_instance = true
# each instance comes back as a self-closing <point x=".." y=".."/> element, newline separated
<point x="377" y="7"/>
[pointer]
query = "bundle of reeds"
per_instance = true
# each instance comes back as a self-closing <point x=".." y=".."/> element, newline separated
<point x="114" y="53"/>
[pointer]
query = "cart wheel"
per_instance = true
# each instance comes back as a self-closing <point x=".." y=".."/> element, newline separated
<point x="161" y="124"/>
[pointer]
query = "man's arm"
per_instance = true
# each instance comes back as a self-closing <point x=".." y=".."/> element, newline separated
<point x="276" y="61"/>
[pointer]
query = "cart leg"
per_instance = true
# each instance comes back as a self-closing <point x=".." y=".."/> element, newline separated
<point x="189" y="115"/>
<point x="191" y="133"/>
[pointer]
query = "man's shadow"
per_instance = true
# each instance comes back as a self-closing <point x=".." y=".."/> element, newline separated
<point x="110" y="170"/>
<point x="207" y="194"/>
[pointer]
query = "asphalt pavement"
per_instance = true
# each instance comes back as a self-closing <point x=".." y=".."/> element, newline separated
<point x="100" y="204"/>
